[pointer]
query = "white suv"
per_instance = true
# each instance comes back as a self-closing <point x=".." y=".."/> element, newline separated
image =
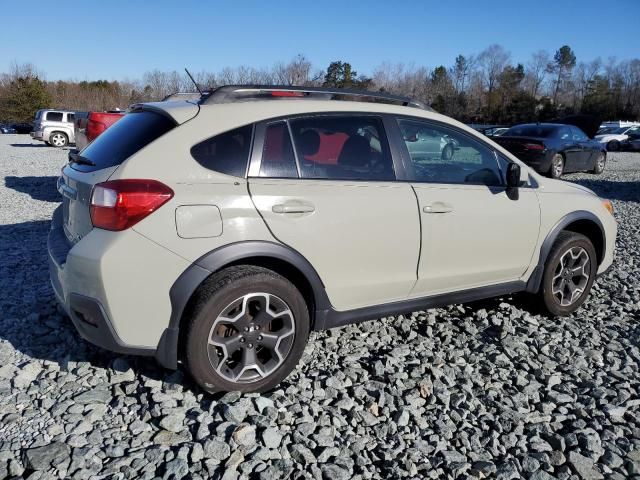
<point x="219" y="232"/>
<point x="54" y="127"/>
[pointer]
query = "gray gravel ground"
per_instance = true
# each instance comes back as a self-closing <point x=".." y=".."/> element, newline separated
<point x="493" y="389"/>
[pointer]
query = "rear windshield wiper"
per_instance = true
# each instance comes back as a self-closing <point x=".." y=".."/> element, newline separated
<point x="75" y="157"/>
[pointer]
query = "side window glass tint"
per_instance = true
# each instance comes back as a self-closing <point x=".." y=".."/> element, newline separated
<point x="442" y="155"/>
<point x="54" y="116"/>
<point x="70" y="117"/>
<point x="225" y="153"/>
<point x="342" y="147"/>
<point x="278" y="160"/>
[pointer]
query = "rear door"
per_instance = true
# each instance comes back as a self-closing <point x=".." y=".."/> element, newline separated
<point x="325" y="186"/>
<point x="474" y="232"/>
<point x="586" y="153"/>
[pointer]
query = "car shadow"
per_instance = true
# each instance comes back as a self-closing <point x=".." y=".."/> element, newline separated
<point x="31" y="320"/>
<point x="613" y="190"/>
<point x="39" y="188"/>
<point x="33" y="145"/>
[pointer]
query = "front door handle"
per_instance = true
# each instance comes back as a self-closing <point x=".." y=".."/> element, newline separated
<point x="293" y="208"/>
<point x="437" y="207"/>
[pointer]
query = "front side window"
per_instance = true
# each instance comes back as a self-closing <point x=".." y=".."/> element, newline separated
<point x="226" y="153"/>
<point x="442" y="155"/>
<point x="278" y="159"/>
<point x="54" y="116"/>
<point x="342" y="148"/>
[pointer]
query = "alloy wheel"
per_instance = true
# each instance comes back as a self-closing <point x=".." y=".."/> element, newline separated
<point x="58" y="140"/>
<point x="251" y="338"/>
<point x="557" y="166"/>
<point x="571" y="276"/>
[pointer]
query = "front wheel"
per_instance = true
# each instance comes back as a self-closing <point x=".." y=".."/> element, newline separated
<point x="557" y="166"/>
<point x="59" y="139"/>
<point x="613" y="146"/>
<point x="248" y="331"/>
<point x="601" y="161"/>
<point x="568" y="273"/>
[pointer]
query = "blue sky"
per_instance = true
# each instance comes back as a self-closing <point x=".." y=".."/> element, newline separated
<point x="115" y="39"/>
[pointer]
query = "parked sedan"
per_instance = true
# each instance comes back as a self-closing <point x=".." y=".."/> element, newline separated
<point x="632" y="143"/>
<point x="614" y="138"/>
<point x="7" y="129"/>
<point x="553" y="149"/>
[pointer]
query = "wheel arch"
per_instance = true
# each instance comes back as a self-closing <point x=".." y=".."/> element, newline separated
<point x="277" y="257"/>
<point x="583" y="222"/>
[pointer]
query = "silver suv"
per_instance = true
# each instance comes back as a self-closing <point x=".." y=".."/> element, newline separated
<point x="54" y="127"/>
<point x="219" y="232"/>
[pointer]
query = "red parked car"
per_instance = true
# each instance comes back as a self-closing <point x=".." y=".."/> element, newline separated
<point x="90" y="125"/>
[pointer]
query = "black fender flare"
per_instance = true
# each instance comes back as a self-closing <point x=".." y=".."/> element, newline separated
<point x="188" y="282"/>
<point x="533" y="284"/>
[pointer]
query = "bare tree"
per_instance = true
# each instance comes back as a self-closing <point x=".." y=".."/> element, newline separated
<point x="536" y="71"/>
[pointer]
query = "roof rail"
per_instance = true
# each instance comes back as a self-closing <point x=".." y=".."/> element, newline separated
<point x="234" y="93"/>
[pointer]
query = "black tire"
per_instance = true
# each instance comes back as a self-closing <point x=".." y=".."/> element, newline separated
<point x="223" y="290"/>
<point x="600" y="163"/>
<point x="557" y="166"/>
<point x="553" y="273"/>
<point x="447" y="152"/>
<point x="613" y="146"/>
<point x="58" y="139"/>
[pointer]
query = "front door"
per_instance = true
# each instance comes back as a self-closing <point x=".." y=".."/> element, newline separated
<point x="474" y="233"/>
<point x="334" y="199"/>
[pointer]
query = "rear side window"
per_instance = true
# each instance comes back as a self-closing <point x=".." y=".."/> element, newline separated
<point x="278" y="160"/>
<point x="54" y="116"/>
<point x="226" y="153"/>
<point x="124" y="138"/>
<point x="342" y="148"/>
<point x="70" y="117"/>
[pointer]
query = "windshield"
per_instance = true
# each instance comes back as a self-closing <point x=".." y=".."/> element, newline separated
<point x="124" y="138"/>
<point x="543" y="131"/>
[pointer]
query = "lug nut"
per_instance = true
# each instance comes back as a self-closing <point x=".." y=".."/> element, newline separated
<point x="259" y="337"/>
<point x="246" y="329"/>
<point x="242" y="340"/>
<point x="250" y="345"/>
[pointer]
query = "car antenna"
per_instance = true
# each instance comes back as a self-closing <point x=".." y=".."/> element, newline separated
<point x="194" y="82"/>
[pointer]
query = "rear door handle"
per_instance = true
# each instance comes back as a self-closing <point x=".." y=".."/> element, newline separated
<point x="293" y="208"/>
<point x="437" y="207"/>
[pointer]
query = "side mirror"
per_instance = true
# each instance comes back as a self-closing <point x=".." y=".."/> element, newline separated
<point x="513" y="175"/>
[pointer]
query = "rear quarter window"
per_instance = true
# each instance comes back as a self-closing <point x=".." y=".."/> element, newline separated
<point x="54" y="116"/>
<point x="124" y="138"/>
<point x="227" y="152"/>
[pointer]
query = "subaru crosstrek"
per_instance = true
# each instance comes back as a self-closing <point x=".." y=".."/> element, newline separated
<point x="219" y="232"/>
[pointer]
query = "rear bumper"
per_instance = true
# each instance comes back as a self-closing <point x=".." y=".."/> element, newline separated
<point x="39" y="135"/>
<point x="87" y="313"/>
<point x="115" y="288"/>
<point x="541" y="163"/>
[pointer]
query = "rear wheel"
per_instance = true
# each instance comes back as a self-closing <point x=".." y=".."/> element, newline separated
<point x="613" y="146"/>
<point x="58" y="139"/>
<point x="601" y="161"/>
<point x="447" y="152"/>
<point x="557" y="166"/>
<point x="248" y="331"/>
<point x="568" y="273"/>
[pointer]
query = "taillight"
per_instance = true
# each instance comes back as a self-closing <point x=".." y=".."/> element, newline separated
<point x="533" y="146"/>
<point x="119" y="204"/>
<point x="285" y="93"/>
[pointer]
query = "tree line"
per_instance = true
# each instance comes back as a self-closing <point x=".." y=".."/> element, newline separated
<point x="487" y="87"/>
